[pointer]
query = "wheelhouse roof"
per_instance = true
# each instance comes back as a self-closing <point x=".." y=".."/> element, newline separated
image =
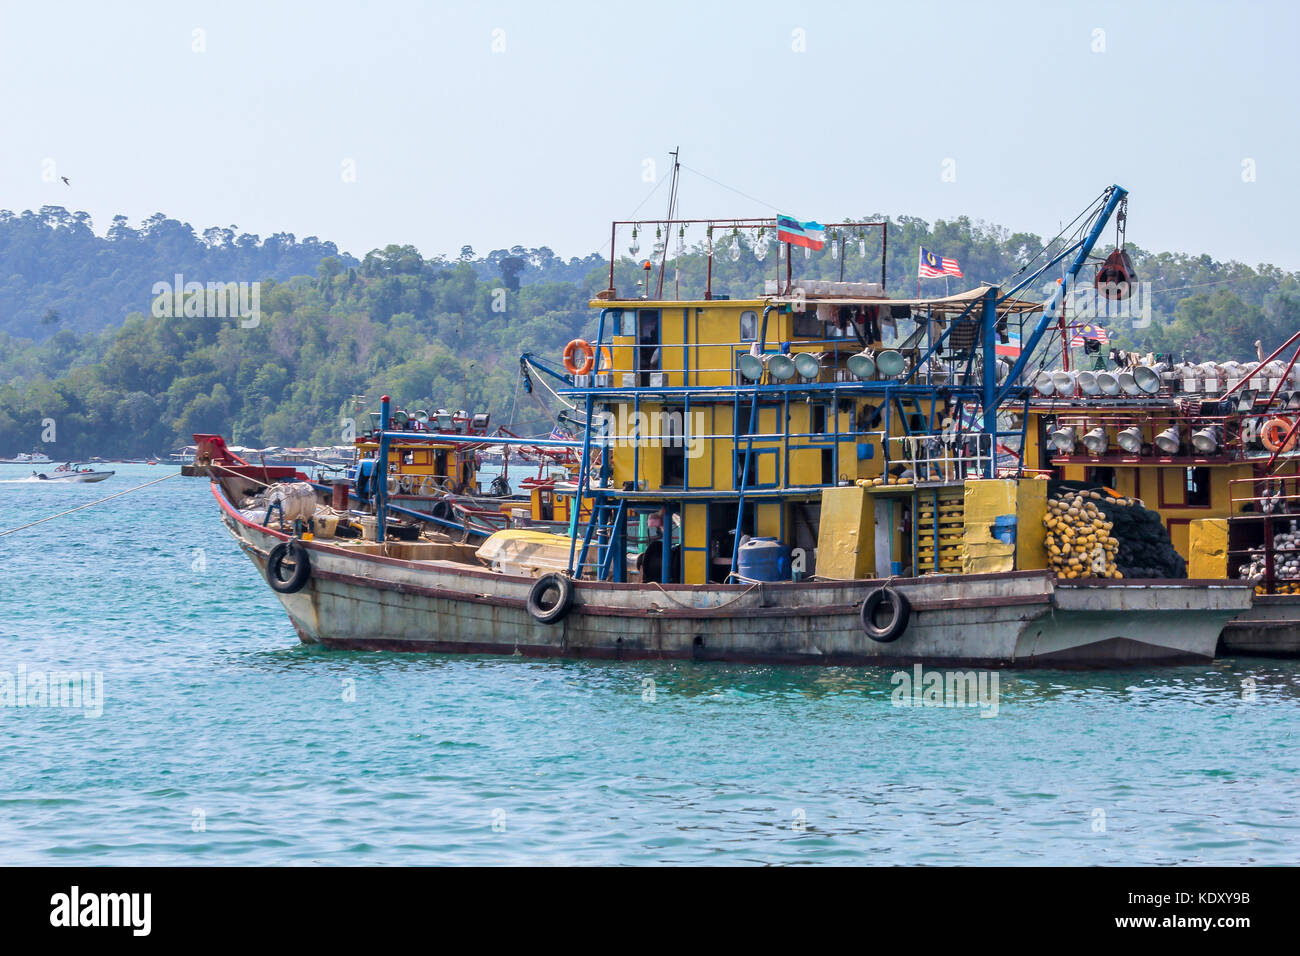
<point x="956" y="302"/>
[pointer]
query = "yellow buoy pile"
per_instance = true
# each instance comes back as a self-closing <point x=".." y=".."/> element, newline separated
<point x="1079" y="540"/>
<point x="888" y="480"/>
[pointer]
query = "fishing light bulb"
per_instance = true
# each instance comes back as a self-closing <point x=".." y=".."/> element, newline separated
<point x="835" y="248"/>
<point x="635" y="247"/>
<point x="862" y="247"/>
<point x="735" y="247"/>
<point x="760" y="246"/>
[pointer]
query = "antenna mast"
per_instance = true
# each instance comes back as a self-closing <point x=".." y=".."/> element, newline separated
<point x="668" y="231"/>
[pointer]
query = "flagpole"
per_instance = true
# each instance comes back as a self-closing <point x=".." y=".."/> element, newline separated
<point x="918" y="272"/>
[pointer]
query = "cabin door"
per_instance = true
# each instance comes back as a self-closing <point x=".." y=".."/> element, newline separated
<point x="648" y="351"/>
<point x="722" y="537"/>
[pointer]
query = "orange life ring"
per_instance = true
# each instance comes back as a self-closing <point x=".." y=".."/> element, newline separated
<point x="570" y="357"/>
<point x="1275" y="432"/>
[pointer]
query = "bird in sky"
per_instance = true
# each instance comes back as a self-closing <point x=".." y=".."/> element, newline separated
<point x="65" y="180"/>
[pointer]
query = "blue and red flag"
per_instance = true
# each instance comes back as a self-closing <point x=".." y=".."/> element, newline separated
<point x="809" y="234"/>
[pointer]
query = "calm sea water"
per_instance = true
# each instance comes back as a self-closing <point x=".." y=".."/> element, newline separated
<point x="224" y="741"/>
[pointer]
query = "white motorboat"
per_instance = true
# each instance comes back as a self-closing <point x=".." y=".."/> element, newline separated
<point x="72" y="473"/>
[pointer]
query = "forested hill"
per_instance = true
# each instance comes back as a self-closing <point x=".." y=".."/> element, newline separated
<point x="56" y="273"/>
<point x="80" y="344"/>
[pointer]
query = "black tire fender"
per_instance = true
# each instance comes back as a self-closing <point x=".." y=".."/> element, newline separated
<point x="294" y="551"/>
<point x="554" y="612"/>
<point x="894" y="627"/>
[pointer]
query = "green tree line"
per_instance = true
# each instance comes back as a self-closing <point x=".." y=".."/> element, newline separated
<point x="125" y="381"/>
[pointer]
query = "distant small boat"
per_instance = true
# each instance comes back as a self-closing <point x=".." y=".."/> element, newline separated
<point x="35" y="458"/>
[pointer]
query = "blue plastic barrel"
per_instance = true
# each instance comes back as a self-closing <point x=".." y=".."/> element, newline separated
<point x="764" y="559"/>
<point x="1004" y="528"/>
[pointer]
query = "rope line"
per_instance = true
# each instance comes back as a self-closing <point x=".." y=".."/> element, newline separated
<point x="89" y="504"/>
<point x="711" y="607"/>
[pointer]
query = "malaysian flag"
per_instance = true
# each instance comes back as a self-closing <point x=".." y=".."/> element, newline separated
<point x="560" y="433"/>
<point x="1087" y="331"/>
<point x="932" y="266"/>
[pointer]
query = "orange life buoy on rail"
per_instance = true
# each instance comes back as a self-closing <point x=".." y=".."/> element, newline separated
<point x="1275" y="432"/>
<point x="571" y="357"/>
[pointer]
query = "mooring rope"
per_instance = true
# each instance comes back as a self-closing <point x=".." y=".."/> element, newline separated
<point x="712" y="607"/>
<point x="89" y="504"/>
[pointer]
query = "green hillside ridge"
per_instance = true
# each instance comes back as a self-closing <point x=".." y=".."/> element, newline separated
<point x="425" y="331"/>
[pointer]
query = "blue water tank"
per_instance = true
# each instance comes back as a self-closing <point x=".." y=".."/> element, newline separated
<point x="1004" y="528"/>
<point x="764" y="559"/>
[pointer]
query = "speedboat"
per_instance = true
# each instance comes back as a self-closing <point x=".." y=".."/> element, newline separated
<point x="72" y="473"/>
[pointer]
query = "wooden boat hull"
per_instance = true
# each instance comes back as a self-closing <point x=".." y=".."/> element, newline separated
<point x="369" y="601"/>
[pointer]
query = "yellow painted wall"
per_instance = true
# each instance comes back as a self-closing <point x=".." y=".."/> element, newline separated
<point x="1207" y="552"/>
<point x="1031" y="508"/>
<point x="985" y="501"/>
<point x="767" y="520"/>
<point x="695" y="528"/>
<point x="845" y="541"/>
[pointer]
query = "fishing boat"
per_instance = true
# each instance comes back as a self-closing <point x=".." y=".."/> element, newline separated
<point x="34" y="458"/>
<point x="437" y="481"/>
<point x="1210" y="448"/>
<point x="815" y="474"/>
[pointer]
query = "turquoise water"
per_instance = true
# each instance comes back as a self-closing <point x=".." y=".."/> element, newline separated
<point x="224" y="741"/>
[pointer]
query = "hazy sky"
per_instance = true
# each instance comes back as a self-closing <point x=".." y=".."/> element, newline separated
<point x="497" y="124"/>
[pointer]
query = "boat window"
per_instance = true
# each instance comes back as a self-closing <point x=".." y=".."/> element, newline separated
<point x="748" y="326"/>
<point x="1101" y="476"/>
<point x="818" y="420"/>
<point x="648" y="326"/>
<point x="1198" y="487"/>
<point x="808" y="326"/>
<point x="625" y="322"/>
<point x="673" y="438"/>
<point x="647" y="353"/>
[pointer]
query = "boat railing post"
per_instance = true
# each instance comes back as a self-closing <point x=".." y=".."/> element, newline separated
<point x="744" y="480"/>
<point x="381" y="472"/>
<point x="584" y="468"/>
<point x="990" y="383"/>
